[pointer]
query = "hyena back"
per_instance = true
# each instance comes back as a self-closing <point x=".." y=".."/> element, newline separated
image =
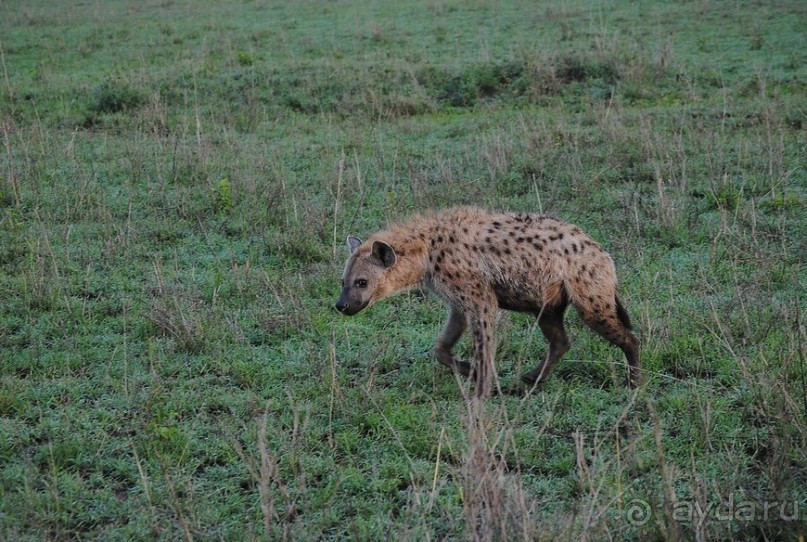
<point x="477" y="262"/>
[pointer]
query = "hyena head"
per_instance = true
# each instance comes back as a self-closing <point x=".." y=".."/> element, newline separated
<point x="364" y="281"/>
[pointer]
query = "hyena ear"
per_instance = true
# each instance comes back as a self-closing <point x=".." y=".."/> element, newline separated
<point x="384" y="253"/>
<point x="353" y="243"/>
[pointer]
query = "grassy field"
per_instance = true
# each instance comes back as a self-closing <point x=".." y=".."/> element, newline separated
<point x="177" y="180"/>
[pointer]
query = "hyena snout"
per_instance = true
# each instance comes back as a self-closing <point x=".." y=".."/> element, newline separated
<point x="348" y="306"/>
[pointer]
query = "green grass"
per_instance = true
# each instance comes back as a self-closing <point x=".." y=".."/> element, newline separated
<point x="176" y="184"/>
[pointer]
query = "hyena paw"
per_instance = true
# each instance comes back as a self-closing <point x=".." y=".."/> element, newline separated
<point x="533" y="377"/>
<point x="462" y="367"/>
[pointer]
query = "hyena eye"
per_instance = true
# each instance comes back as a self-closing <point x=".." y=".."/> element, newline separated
<point x="361" y="283"/>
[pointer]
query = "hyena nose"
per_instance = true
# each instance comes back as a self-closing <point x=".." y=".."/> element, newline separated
<point x="341" y="306"/>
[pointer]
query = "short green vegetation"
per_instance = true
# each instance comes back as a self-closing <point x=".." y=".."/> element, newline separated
<point x="177" y="179"/>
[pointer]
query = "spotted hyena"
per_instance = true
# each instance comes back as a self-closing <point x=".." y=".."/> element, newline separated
<point x="478" y="262"/>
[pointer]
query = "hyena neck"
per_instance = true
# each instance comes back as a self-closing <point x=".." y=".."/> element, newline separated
<point x="410" y="242"/>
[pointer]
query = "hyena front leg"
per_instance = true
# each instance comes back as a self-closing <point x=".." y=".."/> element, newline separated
<point x="551" y="324"/>
<point x="451" y="334"/>
<point x="481" y="321"/>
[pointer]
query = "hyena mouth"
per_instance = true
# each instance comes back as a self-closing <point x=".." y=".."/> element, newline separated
<point x="347" y="309"/>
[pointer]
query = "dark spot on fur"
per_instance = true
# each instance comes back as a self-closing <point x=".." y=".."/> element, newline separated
<point x="464" y="230"/>
<point x="574" y="248"/>
<point x="566" y="251"/>
<point x="519" y="240"/>
<point x="440" y="239"/>
<point x="497" y="223"/>
<point x="507" y="251"/>
<point x="487" y="239"/>
<point x="451" y="239"/>
<point x="491" y="231"/>
<point x="436" y="268"/>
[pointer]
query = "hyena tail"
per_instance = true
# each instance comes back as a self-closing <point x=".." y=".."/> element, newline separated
<point x="622" y="314"/>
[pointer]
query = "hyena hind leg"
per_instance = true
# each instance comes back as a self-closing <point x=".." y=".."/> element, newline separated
<point x="454" y="329"/>
<point x="551" y="324"/>
<point x="614" y="326"/>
